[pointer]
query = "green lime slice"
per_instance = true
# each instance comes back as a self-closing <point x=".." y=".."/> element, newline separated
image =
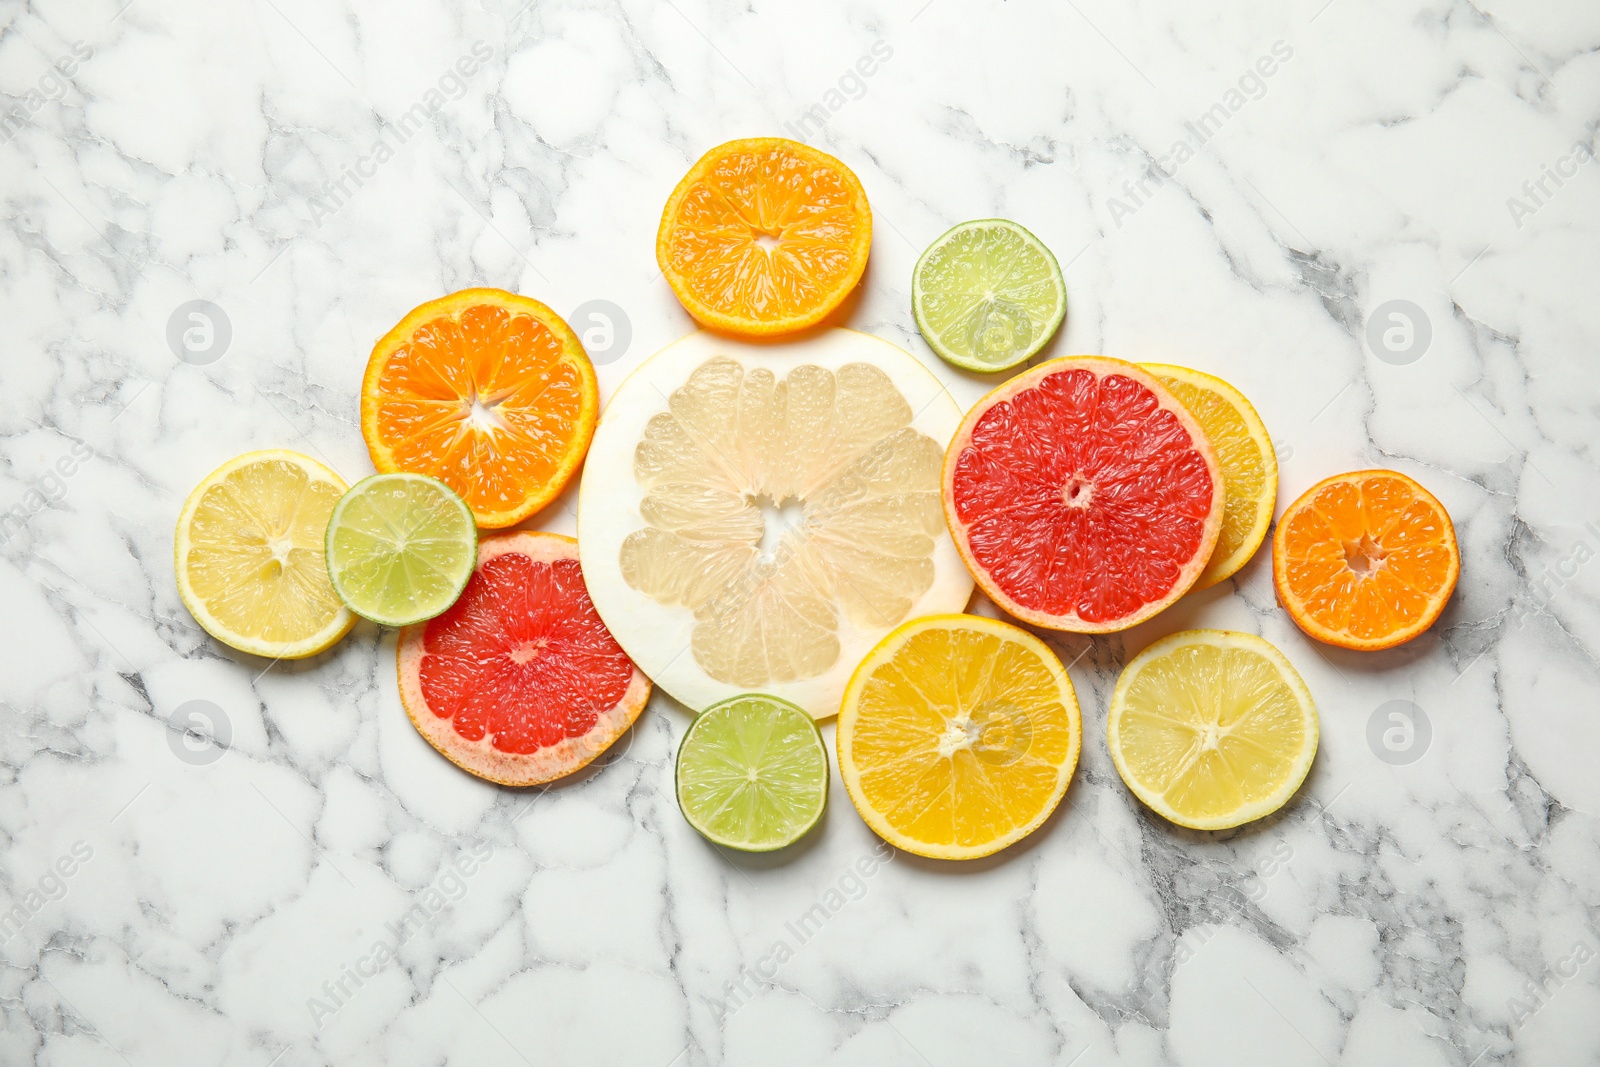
<point x="987" y="295"/>
<point x="400" y="548"/>
<point x="753" y="773"/>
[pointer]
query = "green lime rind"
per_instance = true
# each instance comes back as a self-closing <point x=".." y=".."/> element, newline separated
<point x="987" y="295"/>
<point x="400" y="548"/>
<point x="752" y="773"/>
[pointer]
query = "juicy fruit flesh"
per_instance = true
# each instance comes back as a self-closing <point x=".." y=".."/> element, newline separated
<point x="1083" y="494"/>
<point x="255" y="556"/>
<point x="989" y="294"/>
<point x="839" y="445"/>
<point x="402" y="546"/>
<point x="485" y="402"/>
<point x="522" y="657"/>
<point x="765" y="235"/>
<point x="960" y="737"/>
<point x="1367" y="558"/>
<point x="1213" y="730"/>
<point x="1239" y="457"/>
<point x="753" y="772"/>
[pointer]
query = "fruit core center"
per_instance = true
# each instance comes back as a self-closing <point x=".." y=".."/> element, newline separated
<point x="1077" y="492"/>
<point x="778" y="518"/>
<point x="526" y="651"/>
<point x="768" y="242"/>
<point x="1210" y="735"/>
<point x="482" y="413"/>
<point x="959" y="733"/>
<point x="279" y="547"/>
<point x="1364" y="556"/>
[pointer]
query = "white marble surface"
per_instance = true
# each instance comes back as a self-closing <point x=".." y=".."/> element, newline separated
<point x="1396" y="913"/>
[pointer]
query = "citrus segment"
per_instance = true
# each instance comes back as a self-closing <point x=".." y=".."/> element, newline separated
<point x="1245" y="454"/>
<point x="755" y="519"/>
<point x="520" y="682"/>
<point x="987" y="295"/>
<point x="489" y="392"/>
<point x="1211" y="729"/>
<point x="1082" y="495"/>
<point x="752" y="773"/>
<point x="958" y="736"/>
<point x="400" y="548"/>
<point x="1365" y="560"/>
<point x="764" y="236"/>
<point x="249" y="555"/>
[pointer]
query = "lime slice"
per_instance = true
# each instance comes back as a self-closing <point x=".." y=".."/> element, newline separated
<point x="752" y="773"/>
<point x="987" y="295"/>
<point x="400" y="548"/>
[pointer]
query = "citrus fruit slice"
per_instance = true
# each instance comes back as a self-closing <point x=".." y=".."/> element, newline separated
<point x="1083" y="495"/>
<point x="958" y="736"/>
<point x="754" y="518"/>
<point x="764" y="236"/>
<point x="519" y="682"/>
<point x="249" y="559"/>
<point x="489" y="392"/>
<point x="1244" y="452"/>
<point x="1365" y="560"/>
<point x="1211" y="729"/>
<point x="400" y="548"/>
<point x="987" y="295"/>
<point x="752" y="773"/>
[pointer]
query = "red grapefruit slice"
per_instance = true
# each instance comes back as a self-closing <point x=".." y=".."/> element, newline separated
<point x="520" y="682"/>
<point x="1082" y="495"/>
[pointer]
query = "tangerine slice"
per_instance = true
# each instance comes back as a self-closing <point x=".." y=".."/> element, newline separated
<point x="764" y="236"/>
<point x="489" y="392"/>
<point x="1365" y="560"/>
<point x="520" y="682"/>
<point x="1083" y="495"/>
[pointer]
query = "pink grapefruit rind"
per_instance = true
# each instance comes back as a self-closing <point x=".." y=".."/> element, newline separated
<point x="1102" y="367"/>
<point x="480" y="757"/>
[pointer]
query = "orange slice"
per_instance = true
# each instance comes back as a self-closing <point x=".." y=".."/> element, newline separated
<point x="489" y="392"/>
<point x="1365" y="560"/>
<point x="764" y="236"/>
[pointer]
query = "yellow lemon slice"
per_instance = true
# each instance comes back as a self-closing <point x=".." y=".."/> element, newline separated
<point x="1212" y="728"/>
<point x="1244" y="452"/>
<point x="250" y="559"/>
<point x="958" y="736"/>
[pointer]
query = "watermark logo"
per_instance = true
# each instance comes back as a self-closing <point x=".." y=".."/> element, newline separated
<point x="199" y="332"/>
<point x="198" y="732"/>
<point x="1001" y="733"/>
<point x="850" y="85"/>
<point x="48" y="488"/>
<point x="604" y="328"/>
<point x="1399" y="332"/>
<point x="52" y="885"/>
<point x="1248" y="87"/>
<point x="1543" y="187"/>
<point x="1399" y="733"/>
<point x="848" y="888"/>
<point x="52" y="85"/>
<point x="448" y="888"/>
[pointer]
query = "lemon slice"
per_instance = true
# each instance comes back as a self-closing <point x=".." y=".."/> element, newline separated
<point x="1212" y="728"/>
<point x="958" y="736"/>
<point x="1244" y="452"/>
<point x="249" y="555"/>
<point x="755" y="517"/>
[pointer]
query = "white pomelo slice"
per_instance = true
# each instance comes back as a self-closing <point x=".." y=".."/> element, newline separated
<point x="756" y="517"/>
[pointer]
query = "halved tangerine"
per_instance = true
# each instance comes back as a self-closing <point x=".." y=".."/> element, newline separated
<point x="520" y="682"/>
<point x="764" y="236"/>
<point x="1365" y="560"/>
<point x="489" y="392"/>
<point x="1083" y="495"/>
